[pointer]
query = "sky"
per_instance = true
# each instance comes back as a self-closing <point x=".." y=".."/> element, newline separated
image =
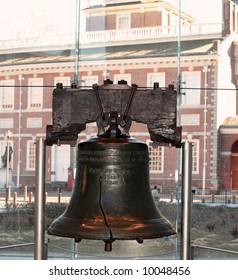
<point x="24" y="17"/>
<point x="205" y="10"/>
<point x="21" y="18"/>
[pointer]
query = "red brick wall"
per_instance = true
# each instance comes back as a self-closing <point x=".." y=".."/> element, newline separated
<point x="137" y="20"/>
<point x="153" y="19"/>
<point x="111" y="22"/>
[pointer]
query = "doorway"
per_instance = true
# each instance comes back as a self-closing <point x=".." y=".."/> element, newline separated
<point x="234" y="166"/>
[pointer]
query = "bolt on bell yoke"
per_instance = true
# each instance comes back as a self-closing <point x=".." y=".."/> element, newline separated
<point x="112" y="199"/>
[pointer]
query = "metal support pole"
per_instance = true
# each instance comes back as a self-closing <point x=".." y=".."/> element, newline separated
<point x="8" y="135"/>
<point x="76" y="47"/>
<point x="39" y="253"/>
<point x="20" y="78"/>
<point x="186" y="201"/>
<point x="25" y="193"/>
<point x="7" y="166"/>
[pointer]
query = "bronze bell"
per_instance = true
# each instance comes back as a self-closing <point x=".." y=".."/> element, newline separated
<point x="112" y="198"/>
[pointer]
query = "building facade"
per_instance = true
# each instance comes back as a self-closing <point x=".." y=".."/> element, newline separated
<point x="204" y="57"/>
<point x="228" y="133"/>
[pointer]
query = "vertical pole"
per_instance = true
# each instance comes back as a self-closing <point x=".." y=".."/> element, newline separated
<point x="30" y="197"/>
<point x="8" y="135"/>
<point x="25" y="193"/>
<point x="205" y="133"/>
<point x="39" y="253"/>
<point x="76" y="79"/>
<point x="59" y="195"/>
<point x="20" y="78"/>
<point x="7" y="167"/>
<point x="14" y="199"/>
<point x="178" y="156"/>
<point x="76" y="47"/>
<point x="185" y="249"/>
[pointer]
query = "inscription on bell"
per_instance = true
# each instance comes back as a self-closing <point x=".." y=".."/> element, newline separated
<point x="112" y="156"/>
<point x="111" y="152"/>
<point x="111" y="176"/>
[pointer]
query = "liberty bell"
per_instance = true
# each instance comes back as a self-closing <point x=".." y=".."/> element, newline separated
<point x="111" y="199"/>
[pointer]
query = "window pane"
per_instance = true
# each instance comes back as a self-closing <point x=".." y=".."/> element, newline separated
<point x="64" y="80"/>
<point x="155" y="78"/>
<point x="31" y="157"/>
<point x="125" y="77"/>
<point x="7" y="94"/>
<point x="89" y="80"/>
<point x="195" y="157"/>
<point x="156" y="155"/>
<point x="123" y="22"/>
<point x="191" y="81"/>
<point x="35" y="96"/>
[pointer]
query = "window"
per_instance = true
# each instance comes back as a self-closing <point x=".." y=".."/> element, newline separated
<point x="155" y="78"/>
<point x="34" y="123"/>
<point x="7" y="123"/>
<point x="123" y="22"/>
<point x="35" y="93"/>
<point x="195" y="157"/>
<point x="125" y="77"/>
<point x="156" y="154"/>
<point x="64" y="80"/>
<point x="7" y="94"/>
<point x="31" y="155"/>
<point x="191" y="81"/>
<point x="190" y="119"/>
<point x="88" y="81"/>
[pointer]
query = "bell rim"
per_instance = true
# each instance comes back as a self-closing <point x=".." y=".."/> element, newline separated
<point x="157" y="228"/>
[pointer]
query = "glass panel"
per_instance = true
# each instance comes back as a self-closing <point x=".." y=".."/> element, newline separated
<point x="142" y="42"/>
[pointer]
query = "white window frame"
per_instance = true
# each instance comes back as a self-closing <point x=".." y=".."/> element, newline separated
<point x="123" y="25"/>
<point x="64" y="80"/>
<point x="7" y="94"/>
<point x="6" y="123"/>
<point x="31" y="155"/>
<point x="34" y="122"/>
<point x="88" y="81"/>
<point x="191" y="97"/>
<point x="156" y="78"/>
<point x="119" y="77"/>
<point x="190" y="119"/>
<point x="35" y="94"/>
<point x="195" y="152"/>
<point x="159" y="159"/>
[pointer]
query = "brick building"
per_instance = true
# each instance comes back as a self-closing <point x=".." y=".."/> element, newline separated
<point x="150" y="29"/>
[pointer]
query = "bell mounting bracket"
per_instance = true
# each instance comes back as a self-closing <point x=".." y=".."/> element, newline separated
<point x="113" y="107"/>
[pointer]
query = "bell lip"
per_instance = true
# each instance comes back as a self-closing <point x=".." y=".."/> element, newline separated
<point x="115" y="237"/>
<point x="158" y="228"/>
